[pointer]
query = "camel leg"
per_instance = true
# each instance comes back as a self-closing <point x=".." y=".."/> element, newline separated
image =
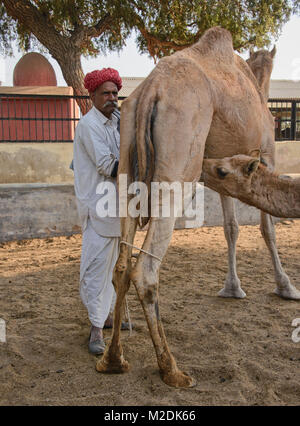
<point x="232" y="286"/>
<point x="113" y="360"/>
<point x="284" y="287"/>
<point x="145" y="277"/>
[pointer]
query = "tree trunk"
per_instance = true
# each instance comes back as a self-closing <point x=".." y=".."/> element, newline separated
<point x="70" y="65"/>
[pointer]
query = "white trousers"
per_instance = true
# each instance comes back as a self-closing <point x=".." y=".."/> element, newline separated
<point x="98" y="258"/>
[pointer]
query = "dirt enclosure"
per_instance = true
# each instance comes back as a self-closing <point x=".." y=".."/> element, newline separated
<point x="240" y="351"/>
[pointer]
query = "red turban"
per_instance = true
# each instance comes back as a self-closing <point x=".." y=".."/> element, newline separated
<point x="95" y="78"/>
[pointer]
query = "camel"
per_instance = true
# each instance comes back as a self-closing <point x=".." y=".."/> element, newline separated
<point x="245" y="178"/>
<point x="261" y="64"/>
<point x="203" y="99"/>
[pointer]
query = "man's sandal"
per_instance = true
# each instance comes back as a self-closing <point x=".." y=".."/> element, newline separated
<point x="124" y="326"/>
<point x="97" y="347"/>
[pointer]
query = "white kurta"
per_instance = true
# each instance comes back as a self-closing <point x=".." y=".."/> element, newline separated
<point x="96" y="149"/>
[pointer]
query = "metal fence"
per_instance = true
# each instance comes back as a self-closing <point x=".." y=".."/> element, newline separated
<point x="287" y="118"/>
<point x="38" y="118"/>
<point x="53" y="118"/>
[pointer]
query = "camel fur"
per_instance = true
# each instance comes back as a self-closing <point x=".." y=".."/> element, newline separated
<point x="261" y="64"/>
<point x="203" y="100"/>
<point x="245" y="178"/>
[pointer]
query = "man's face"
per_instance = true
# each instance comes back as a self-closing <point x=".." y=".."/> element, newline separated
<point x="105" y="98"/>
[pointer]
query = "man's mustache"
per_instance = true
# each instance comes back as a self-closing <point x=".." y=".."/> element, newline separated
<point x="110" y="103"/>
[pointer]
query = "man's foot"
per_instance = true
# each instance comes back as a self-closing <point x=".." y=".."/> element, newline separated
<point x="97" y="347"/>
<point x="109" y="324"/>
<point x="96" y="342"/>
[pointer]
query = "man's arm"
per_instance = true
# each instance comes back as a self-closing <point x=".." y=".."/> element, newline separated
<point x="99" y="153"/>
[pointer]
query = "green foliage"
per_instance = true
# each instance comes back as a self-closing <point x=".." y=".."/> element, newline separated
<point x="174" y="24"/>
<point x="7" y="31"/>
<point x="163" y="26"/>
<point x="67" y="17"/>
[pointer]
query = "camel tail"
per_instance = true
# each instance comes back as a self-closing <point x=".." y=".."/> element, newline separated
<point x="143" y="151"/>
<point x="144" y="139"/>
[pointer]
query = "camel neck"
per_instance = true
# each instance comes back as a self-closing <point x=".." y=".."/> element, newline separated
<point x="278" y="196"/>
<point x="265" y="90"/>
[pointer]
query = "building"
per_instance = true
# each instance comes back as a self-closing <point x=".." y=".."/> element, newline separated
<point x="35" y="109"/>
<point x="284" y="103"/>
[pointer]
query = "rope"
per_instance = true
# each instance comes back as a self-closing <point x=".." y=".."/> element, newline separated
<point x="140" y="249"/>
<point x="128" y="316"/>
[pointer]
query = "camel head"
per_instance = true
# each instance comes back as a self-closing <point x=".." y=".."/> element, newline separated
<point x="231" y="175"/>
<point x="261" y="64"/>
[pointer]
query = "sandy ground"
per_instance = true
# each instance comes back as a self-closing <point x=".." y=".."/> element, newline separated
<point x="239" y="351"/>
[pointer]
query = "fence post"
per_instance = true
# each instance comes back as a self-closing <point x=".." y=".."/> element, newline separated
<point x="293" y="121"/>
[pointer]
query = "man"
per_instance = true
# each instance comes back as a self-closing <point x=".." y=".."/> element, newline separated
<point x="96" y="160"/>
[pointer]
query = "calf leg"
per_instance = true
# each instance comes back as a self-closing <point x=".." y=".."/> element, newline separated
<point x="232" y="287"/>
<point x="284" y="287"/>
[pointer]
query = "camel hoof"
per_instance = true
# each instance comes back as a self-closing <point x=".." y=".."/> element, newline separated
<point x="236" y="293"/>
<point x="290" y="293"/>
<point x="120" y="367"/>
<point x="178" y="380"/>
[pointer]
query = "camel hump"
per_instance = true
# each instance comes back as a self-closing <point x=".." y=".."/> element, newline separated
<point x="216" y="42"/>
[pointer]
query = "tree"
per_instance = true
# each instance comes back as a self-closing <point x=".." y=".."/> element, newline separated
<point x="68" y="29"/>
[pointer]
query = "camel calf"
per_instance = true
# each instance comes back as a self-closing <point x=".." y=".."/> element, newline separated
<point x="243" y="177"/>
